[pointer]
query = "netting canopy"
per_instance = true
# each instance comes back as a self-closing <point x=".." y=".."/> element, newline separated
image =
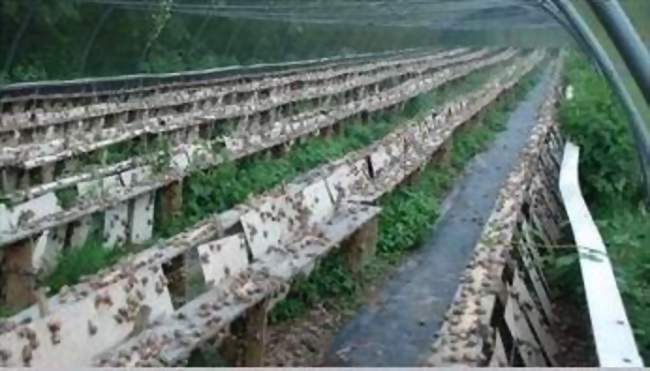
<point x="438" y="14"/>
<point x="60" y="40"/>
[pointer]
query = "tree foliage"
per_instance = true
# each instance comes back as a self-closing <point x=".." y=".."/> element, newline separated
<point x="63" y="39"/>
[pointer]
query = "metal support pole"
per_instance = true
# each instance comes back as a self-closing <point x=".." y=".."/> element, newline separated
<point x="551" y="10"/>
<point x="627" y="41"/>
<point x="637" y="125"/>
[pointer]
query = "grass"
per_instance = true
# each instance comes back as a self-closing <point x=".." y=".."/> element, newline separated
<point x="407" y="216"/>
<point x="77" y="263"/>
<point x="611" y="182"/>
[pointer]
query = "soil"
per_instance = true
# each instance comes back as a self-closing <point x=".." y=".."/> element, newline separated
<point x="302" y="342"/>
<point x="574" y="335"/>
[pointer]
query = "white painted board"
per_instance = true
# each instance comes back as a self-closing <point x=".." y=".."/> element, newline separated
<point x="223" y="258"/>
<point x="87" y="327"/>
<point x="613" y="334"/>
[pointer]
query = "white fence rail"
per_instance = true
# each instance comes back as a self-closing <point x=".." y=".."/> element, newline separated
<point x="612" y="332"/>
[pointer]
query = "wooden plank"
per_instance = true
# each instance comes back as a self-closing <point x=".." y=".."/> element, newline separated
<point x="271" y="223"/>
<point x="80" y="231"/>
<point x="223" y="258"/>
<point x="525" y="342"/>
<point x="254" y="337"/>
<point x="347" y="178"/>
<point x="18" y="275"/>
<point x="27" y="212"/>
<point x="539" y="325"/>
<point x="142" y="218"/>
<point x="116" y="225"/>
<point x="5" y="219"/>
<point x="115" y="218"/>
<point x="532" y="252"/>
<point x="361" y="246"/>
<point x="180" y="161"/>
<point x="317" y="201"/>
<point x="142" y="214"/>
<point x="538" y="284"/>
<point x="102" y="320"/>
<point x="499" y="357"/>
<point x="9" y="180"/>
<point x="436" y="79"/>
<point x="539" y="230"/>
<point x="47" y="249"/>
<point x="47" y="173"/>
<point x="48" y="245"/>
<point x="613" y="335"/>
<point x="380" y="160"/>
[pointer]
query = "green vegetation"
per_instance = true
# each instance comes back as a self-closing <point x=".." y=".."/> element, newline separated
<point x="77" y="263"/>
<point x="595" y="119"/>
<point x="611" y="182"/>
<point x="54" y="39"/>
<point x="406" y="218"/>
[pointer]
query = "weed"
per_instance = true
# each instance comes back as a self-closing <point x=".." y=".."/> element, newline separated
<point x="75" y="263"/>
<point x="595" y="119"/>
<point x="6" y="312"/>
<point x="67" y="197"/>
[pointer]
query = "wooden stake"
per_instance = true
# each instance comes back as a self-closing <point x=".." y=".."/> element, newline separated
<point x="361" y="246"/>
<point x="172" y="201"/>
<point x="9" y="179"/>
<point x="443" y="155"/>
<point x="254" y="337"/>
<point x="19" y="275"/>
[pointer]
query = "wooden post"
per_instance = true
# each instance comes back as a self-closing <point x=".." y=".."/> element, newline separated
<point x="472" y="123"/>
<point x="25" y="179"/>
<point x="443" y="155"/>
<point x="327" y="132"/>
<point x="280" y="150"/>
<point x="414" y="177"/>
<point x="47" y="173"/>
<point x="19" y="278"/>
<point x="338" y="128"/>
<point x="174" y="270"/>
<point x="254" y="337"/>
<point x="172" y="201"/>
<point x="9" y="180"/>
<point x="273" y="115"/>
<point x="247" y="340"/>
<point x="361" y="246"/>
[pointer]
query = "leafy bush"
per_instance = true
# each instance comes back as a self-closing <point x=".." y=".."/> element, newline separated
<point x="611" y="183"/>
<point x="595" y="120"/>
